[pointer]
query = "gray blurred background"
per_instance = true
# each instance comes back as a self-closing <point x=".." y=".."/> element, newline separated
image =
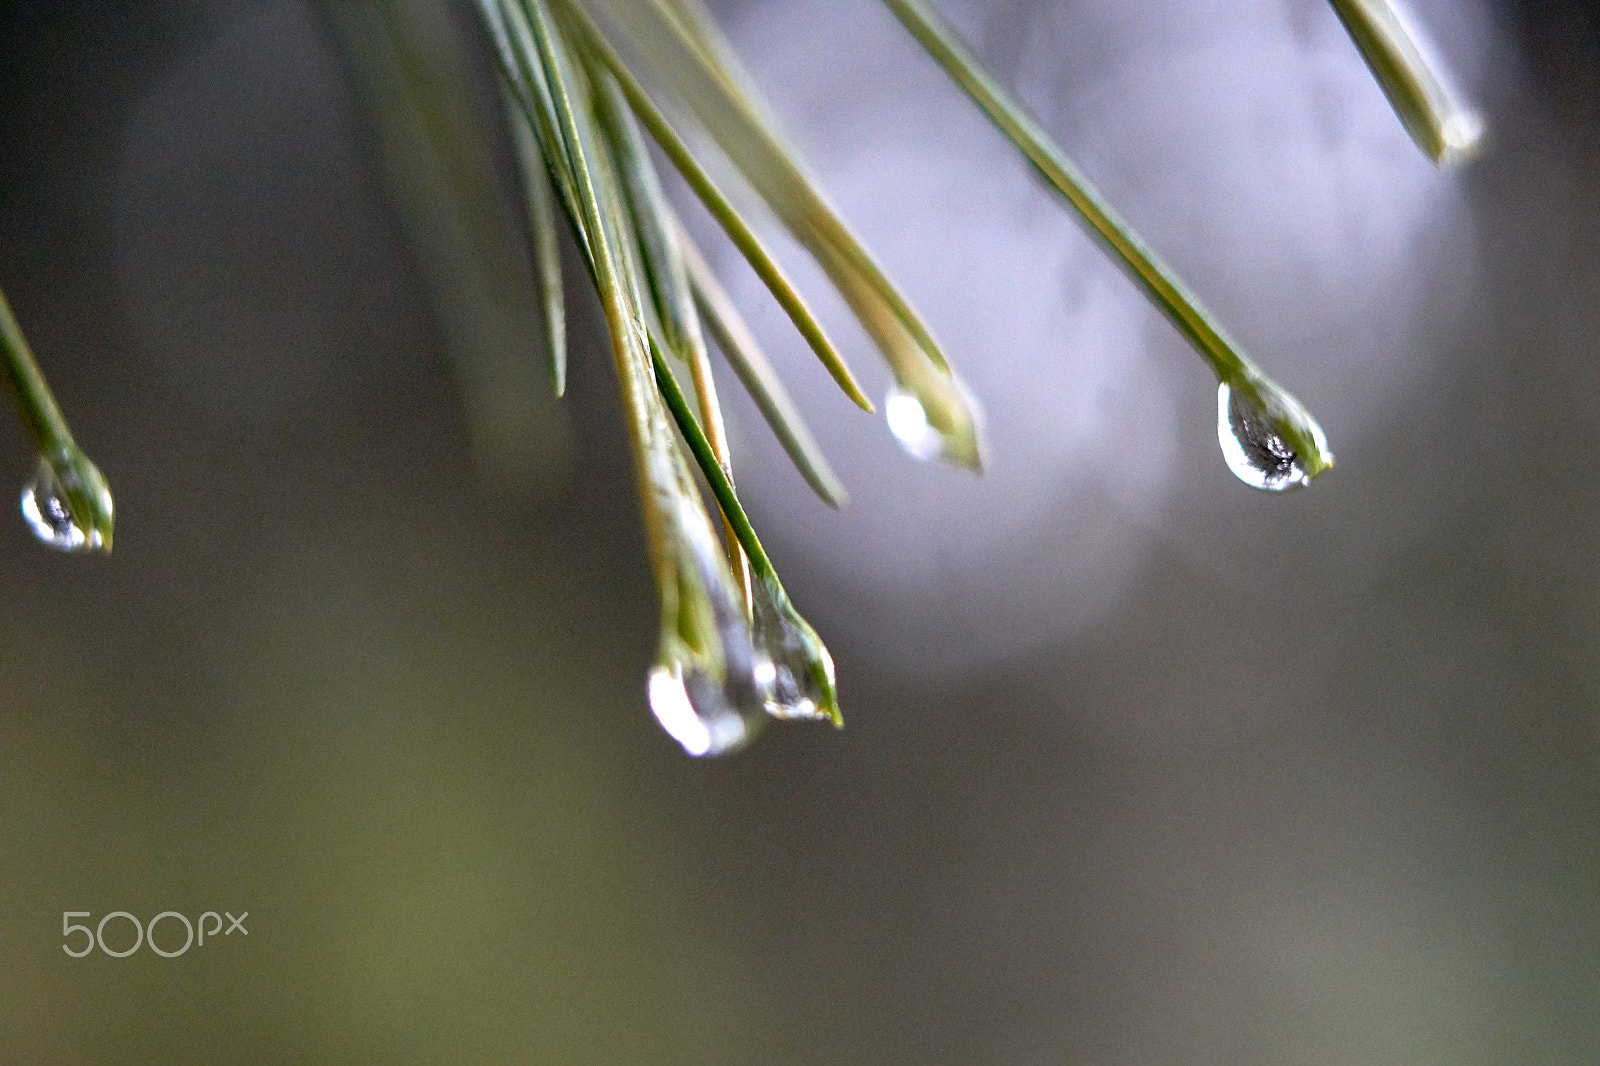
<point x="1142" y="766"/>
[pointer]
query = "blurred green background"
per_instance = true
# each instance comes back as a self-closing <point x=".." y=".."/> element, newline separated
<point x="1202" y="777"/>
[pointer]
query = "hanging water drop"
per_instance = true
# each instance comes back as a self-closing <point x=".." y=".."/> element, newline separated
<point x="1260" y="446"/>
<point x="697" y="713"/>
<point x="941" y="422"/>
<point x="796" y="696"/>
<point x="710" y="687"/>
<point x="708" y="716"/>
<point x="45" y="505"/>
<point x="795" y="692"/>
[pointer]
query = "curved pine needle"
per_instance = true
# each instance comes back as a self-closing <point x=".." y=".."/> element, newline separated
<point x="706" y="76"/>
<point x="523" y="78"/>
<point x="1155" y="278"/>
<point x="651" y="457"/>
<point x="761" y="381"/>
<point x="657" y="240"/>
<point x="546" y="243"/>
<point x="720" y="207"/>
<point x="657" y="243"/>
<point x="819" y="662"/>
<point x="701" y="616"/>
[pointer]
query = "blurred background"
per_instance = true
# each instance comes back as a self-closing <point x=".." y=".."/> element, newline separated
<point x="1141" y="766"/>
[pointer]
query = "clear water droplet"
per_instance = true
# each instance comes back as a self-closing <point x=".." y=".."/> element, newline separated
<point x="1257" y="448"/>
<point x="945" y="428"/>
<point x="712" y="702"/>
<point x="697" y="712"/>
<point x="794" y="693"/>
<point x="44" y="505"/>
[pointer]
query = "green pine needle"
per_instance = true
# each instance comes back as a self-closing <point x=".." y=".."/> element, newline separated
<point x="74" y="482"/>
<point x="1447" y="131"/>
<point x="1163" y="287"/>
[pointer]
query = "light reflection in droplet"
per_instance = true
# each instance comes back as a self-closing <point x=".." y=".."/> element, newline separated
<point x="793" y="692"/>
<point x="695" y="714"/>
<point x="955" y="438"/>
<point x="909" y="424"/>
<point x="44" y="505"/>
<point x="1256" y="450"/>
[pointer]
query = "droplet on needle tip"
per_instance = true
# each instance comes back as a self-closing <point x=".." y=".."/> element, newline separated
<point x="1260" y="445"/>
<point x="940" y="422"/>
<point x="697" y="713"/>
<point x="47" y="506"/>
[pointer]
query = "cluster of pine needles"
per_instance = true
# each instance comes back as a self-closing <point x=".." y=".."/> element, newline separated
<point x="589" y="86"/>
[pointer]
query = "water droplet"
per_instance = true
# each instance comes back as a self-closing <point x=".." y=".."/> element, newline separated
<point x="696" y="712"/>
<point x="45" y="506"/>
<point x="795" y="693"/>
<point x="942" y="422"/>
<point x="1259" y="446"/>
<point x="710" y="701"/>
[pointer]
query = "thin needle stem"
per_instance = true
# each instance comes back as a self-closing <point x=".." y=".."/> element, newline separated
<point x="1418" y="89"/>
<point x="46" y="425"/>
<point x="82" y="488"/>
<point x="742" y="352"/>
<point x="541" y="209"/>
<point x="1158" y="281"/>
<point x="721" y="208"/>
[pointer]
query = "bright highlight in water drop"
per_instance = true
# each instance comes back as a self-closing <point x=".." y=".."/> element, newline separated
<point x="695" y="714"/>
<point x="44" y="505"/>
<point x="793" y="691"/>
<point x="909" y="424"/>
<point x="952" y="434"/>
<point x="1258" y="448"/>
